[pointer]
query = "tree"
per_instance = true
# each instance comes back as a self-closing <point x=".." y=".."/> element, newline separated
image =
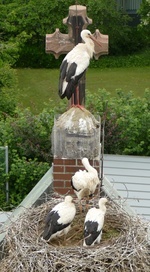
<point x="110" y="21"/>
<point x="27" y="22"/>
<point x="144" y="26"/>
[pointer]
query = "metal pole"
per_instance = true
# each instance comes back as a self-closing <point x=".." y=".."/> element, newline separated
<point x="6" y="171"/>
<point x="102" y="146"/>
<point x="102" y="151"/>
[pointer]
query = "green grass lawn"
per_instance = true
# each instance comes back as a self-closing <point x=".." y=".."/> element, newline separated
<point x="38" y="86"/>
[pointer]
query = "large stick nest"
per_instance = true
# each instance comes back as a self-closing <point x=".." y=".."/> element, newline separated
<point x="124" y="246"/>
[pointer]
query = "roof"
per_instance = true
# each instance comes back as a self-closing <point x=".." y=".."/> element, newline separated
<point x="130" y="176"/>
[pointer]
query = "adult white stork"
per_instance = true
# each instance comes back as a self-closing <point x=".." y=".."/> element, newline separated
<point x="59" y="219"/>
<point x="93" y="224"/>
<point x="75" y="64"/>
<point x="84" y="182"/>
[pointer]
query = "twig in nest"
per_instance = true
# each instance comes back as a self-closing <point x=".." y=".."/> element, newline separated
<point x="73" y="235"/>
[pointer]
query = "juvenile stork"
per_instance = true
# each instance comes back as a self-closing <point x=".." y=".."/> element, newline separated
<point x="93" y="224"/>
<point x="59" y="219"/>
<point x="84" y="182"/>
<point x="75" y="64"/>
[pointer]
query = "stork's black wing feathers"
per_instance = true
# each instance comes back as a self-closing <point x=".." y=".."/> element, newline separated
<point x="49" y="217"/>
<point x="71" y="71"/>
<point x="52" y="226"/>
<point x="72" y="84"/>
<point x="91" y="232"/>
<point x="63" y="71"/>
<point x="68" y="74"/>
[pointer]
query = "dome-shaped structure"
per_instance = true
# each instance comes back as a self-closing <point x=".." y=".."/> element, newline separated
<point x="76" y="134"/>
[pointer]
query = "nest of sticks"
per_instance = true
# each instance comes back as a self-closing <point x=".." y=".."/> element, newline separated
<point x="124" y="246"/>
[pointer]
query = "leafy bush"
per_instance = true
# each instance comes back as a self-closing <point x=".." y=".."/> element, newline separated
<point x="144" y="26"/>
<point x="135" y="60"/>
<point x="8" y="83"/>
<point x="28" y="140"/>
<point x="22" y="177"/>
<point x="127" y="118"/>
<point x="28" y="134"/>
<point x="9" y="52"/>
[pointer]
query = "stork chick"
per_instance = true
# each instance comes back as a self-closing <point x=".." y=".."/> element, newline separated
<point x="59" y="219"/>
<point x="84" y="182"/>
<point x="93" y="224"/>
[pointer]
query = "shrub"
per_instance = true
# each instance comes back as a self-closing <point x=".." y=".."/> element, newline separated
<point x="135" y="60"/>
<point x="127" y="118"/>
<point x="29" y="144"/>
<point x="22" y="177"/>
<point x="29" y="134"/>
<point x="8" y="82"/>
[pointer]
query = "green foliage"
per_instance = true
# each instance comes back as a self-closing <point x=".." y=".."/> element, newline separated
<point x="144" y="26"/>
<point x="28" y="134"/>
<point x="2" y="172"/>
<point x="24" y="25"/>
<point x="9" y="46"/>
<point x="126" y="125"/>
<point x="7" y="76"/>
<point x="28" y="140"/>
<point x="8" y="83"/>
<point x="22" y="177"/>
<point x="110" y="21"/>
<point x="9" y="52"/>
<point x="140" y="59"/>
<point x="27" y="23"/>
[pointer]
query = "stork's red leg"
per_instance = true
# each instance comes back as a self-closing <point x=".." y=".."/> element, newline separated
<point x="77" y="95"/>
<point x="75" y="99"/>
<point x="72" y="100"/>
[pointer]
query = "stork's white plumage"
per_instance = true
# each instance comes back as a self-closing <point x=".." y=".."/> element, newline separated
<point x="58" y="220"/>
<point x="84" y="182"/>
<point x="75" y="64"/>
<point x="93" y="224"/>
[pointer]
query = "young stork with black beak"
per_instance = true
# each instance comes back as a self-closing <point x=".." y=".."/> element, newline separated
<point x="59" y="219"/>
<point x="75" y="64"/>
<point x="93" y="223"/>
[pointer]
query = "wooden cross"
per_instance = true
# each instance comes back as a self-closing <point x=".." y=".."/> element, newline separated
<point x="58" y="43"/>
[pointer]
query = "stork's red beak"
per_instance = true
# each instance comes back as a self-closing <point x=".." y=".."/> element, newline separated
<point x="96" y="41"/>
